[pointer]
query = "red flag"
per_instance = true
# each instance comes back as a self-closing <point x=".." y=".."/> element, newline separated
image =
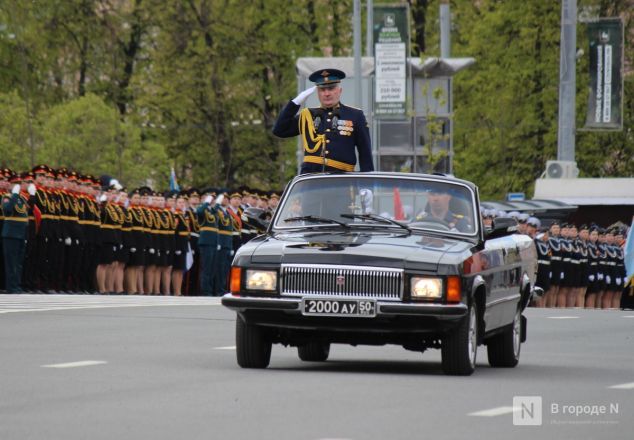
<point x="398" y="206"/>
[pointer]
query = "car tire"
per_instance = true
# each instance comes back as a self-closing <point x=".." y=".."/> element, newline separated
<point x="253" y="349"/>
<point x="459" y="348"/>
<point x="314" y="351"/>
<point x="504" y="348"/>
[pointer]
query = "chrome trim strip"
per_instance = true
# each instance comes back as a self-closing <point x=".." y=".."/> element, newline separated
<point x="361" y="282"/>
<point x="505" y="299"/>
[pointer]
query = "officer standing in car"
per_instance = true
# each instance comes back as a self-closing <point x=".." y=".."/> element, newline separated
<point x="330" y="132"/>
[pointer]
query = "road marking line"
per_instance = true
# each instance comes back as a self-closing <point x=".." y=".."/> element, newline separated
<point x="623" y="386"/>
<point x="230" y="347"/>
<point x="500" y="410"/>
<point x="628" y="316"/>
<point x="75" y="364"/>
<point x="563" y="317"/>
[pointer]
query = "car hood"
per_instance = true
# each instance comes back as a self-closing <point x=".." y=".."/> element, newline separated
<point x="382" y="249"/>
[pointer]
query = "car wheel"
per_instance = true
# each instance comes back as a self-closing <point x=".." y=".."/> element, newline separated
<point x="459" y="348"/>
<point x="253" y="349"/>
<point x="504" y="348"/>
<point x="314" y="351"/>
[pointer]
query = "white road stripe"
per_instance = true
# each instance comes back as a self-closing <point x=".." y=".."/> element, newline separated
<point x="230" y="347"/>
<point x="75" y="364"/>
<point x="33" y="303"/>
<point x="628" y="316"/>
<point x="563" y="317"/>
<point x="623" y="386"/>
<point x="500" y="410"/>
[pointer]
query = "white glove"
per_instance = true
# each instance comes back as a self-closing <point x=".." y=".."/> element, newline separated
<point x="244" y="218"/>
<point x="133" y="250"/>
<point x="218" y="247"/>
<point x="600" y="277"/>
<point x="219" y="199"/>
<point x="608" y="279"/>
<point x="302" y="97"/>
<point x="561" y="276"/>
<point x="152" y="251"/>
<point x="591" y="278"/>
<point x="208" y="199"/>
<point x="103" y="198"/>
<point x="114" y="249"/>
<point x="77" y="241"/>
<point x="116" y="184"/>
<point x="16" y="189"/>
<point x="68" y="241"/>
<point x="31" y="189"/>
<point x="231" y="253"/>
<point x="177" y="252"/>
<point x="366" y="197"/>
<point x="618" y="281"/>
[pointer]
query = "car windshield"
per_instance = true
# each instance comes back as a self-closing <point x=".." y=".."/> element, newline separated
<point x="378" y="201"/>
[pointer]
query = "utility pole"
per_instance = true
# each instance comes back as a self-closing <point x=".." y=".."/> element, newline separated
<point x="356" y="21"/>
<point x="369" y="32"/>
<point x="567" y="82"/>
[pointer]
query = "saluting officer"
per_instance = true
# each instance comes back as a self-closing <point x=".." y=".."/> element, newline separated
<point x="16" y="217"/>
<point x="208" y="241"/>
<point x="330" y="132"/>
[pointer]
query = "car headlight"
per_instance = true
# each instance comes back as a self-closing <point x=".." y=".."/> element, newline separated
<point x="261" y="279"/>
<point x="426" y="288"/>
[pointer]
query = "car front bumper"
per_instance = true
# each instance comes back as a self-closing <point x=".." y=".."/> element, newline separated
<point x="391" y="316"/>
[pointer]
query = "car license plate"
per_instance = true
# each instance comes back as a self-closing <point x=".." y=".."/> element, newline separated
<point x="338" y="307"/>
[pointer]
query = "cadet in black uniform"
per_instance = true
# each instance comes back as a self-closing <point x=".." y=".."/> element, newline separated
<point x="192" y="278"/>
<point x="5" y="173"/>
<point x="555" y="264"/>
<point x="620" y="274"/>
<point x="582" y="280"/>
<point x="330" y="132"/>
<point x="181" y="242"/>
<point x="543" y="264"/>
<point x="594" y="255"/>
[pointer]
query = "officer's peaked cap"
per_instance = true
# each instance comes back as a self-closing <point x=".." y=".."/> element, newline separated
<point x="326" y="77"/>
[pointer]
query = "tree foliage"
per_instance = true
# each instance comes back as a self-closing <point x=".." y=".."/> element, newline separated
<point x="132" y="87"/>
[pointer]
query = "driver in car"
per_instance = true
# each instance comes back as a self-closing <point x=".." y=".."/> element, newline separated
<point x="437" y="209"/>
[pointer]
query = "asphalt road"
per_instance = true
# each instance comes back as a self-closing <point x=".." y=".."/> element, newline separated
<point x="169" y="372"/>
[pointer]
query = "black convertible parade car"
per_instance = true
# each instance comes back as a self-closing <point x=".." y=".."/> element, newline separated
<point x="382" y="258"/>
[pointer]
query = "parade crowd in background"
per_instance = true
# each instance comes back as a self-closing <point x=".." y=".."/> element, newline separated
<point x="65" y="232"/>
<point x="577" y="266"/>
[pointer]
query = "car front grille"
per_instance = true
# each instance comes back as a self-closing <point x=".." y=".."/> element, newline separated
<point x="345" y="281"/>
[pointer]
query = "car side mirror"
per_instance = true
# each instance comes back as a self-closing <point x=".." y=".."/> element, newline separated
<point x="501" y="227"/>
<point x="258" y="217"/>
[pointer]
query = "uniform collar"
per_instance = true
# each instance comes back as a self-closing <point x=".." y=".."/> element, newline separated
<point x="336" y="107"/>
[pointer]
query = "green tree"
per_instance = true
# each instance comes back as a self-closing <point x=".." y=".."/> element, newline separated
<point x="87" y="135"/>
<point x="14" y="132"/>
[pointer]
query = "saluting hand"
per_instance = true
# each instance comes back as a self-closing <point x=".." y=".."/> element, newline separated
<point x="16" y="189"/>
<point x="302" y="97"/>
<point x="31" y="189"/>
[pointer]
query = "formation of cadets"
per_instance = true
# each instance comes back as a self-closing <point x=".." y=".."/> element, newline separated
<point x="577" y="266"/>
<point x="65" y="232"/>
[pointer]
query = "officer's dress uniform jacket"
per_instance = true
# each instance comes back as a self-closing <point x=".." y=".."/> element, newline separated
<point x="329" y="137"/>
